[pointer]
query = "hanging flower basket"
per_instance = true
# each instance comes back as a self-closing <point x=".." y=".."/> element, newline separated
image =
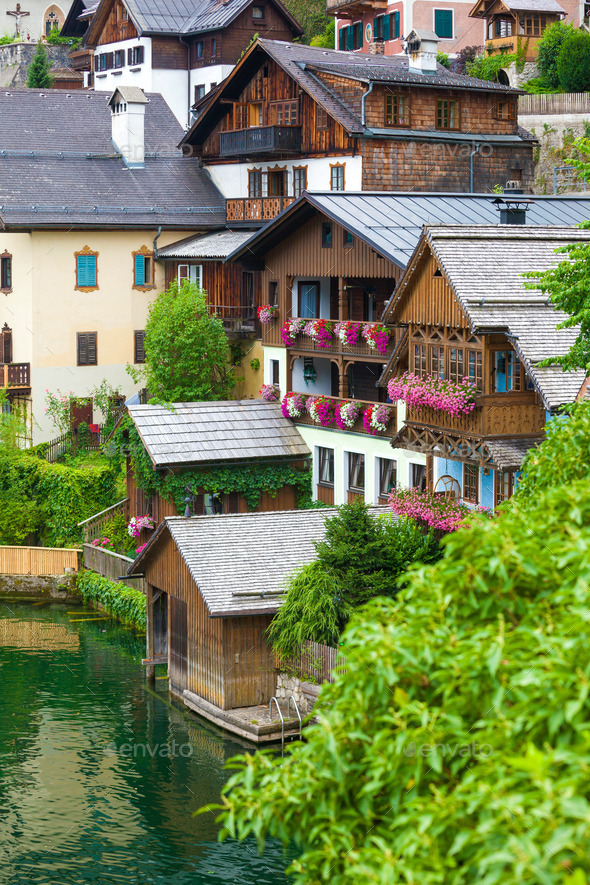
<point x="293" y="405"/>
<point x="377" y="337"/>
<point x="349" y="333"/>
<point x="270" y="393"/>
<point x="435" y="393"/>
<point x="321" y="410"/>
<point x="347" y="414"/>
<point x="137" y="523"/>
<point x="320" y="331"/>
<point x="435" y="511"/>
<point x="291" y="329"/>
<point x="376" y="418"/>
<point x="267" y="313"/>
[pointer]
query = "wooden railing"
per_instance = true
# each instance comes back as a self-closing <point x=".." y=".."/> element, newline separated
<point x="511" y="45"/>
<point x="105" y="562"/>
<point x="495" y="415"/>
<point x="38" y="560"/>
<point x="358" y="426"/>
<point x="260" y="139"/>
<point x="316" y="663"/>
<point x="249" y="209"/>
<point x="241" y="321"/>
<point x="560" y="103"/>
<point x="362" y="349"/>
<point x="358" y="6"/>
<point x="93" y="526"/>
<point x="15" y="375"/>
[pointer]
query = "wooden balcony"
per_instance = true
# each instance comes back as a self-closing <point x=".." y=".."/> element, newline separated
<point x="358" y="426"/>
<point x="260" y="140"/>
<point x="238" y="322"/>
<point x="510" y="45"/>
<point x="307" y="344"/>
<point x="496" y="415"/>
<point x="255" y="210"/>
<point x="15" y="376"/>
<point x="354" y="8"/>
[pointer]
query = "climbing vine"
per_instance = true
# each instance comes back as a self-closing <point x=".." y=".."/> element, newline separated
<point x="127" y="604"/>
<point x="249" y="481"/>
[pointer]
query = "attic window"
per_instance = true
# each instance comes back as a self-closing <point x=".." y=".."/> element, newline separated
<point x="258" y="13"/>
<point x="437" y="272"/>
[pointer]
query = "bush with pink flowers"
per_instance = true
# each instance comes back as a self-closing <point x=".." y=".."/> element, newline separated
<point x="436" y="511"/>
<point x="347" y="413"/>
<point x="321" y="410"/>
<point x="270" y="393"/>
<point x="137" y="523"/>
<point x="267" y="313"/>
<point x="348" y="332"/>
<point x="102" y="542"/>
<point x="291" y="329"/>
<point x="320" y="331"/>
<point x="436" y="393"/>
<point x="377" y="337"/>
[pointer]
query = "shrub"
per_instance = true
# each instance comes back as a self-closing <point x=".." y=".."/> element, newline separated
<point x="573" y="62"/>
<point x="116" y="530"/>
<point x="443" y="59"/>
<point x="549" y="47"/>
<point x="488" y="67"/>
<point x="128" y="605"/>
<point x="467" y="54"/>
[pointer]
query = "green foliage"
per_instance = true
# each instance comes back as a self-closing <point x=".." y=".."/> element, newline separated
<point x="58" y="408"/>
<point x="327" y="38"/>
<point x="19" y="516"/>
<point x="38" y="74"/>
<point x="127" y="604"/>
<point x="116" y="531"/>
<point x="186" y="349"/>
<point x="455" y="748"/>
<point x="83" y="437"/>
<point x="538" y="86"/>
<point x="311" y="15"/>
<point x="467" y="54"/>
<point x="255" y="364"/>
<point x="487" y="67"/>
<point x="573" y="62"/>
<point x="249" y="481"/>
<point x="443" y="59"/>
<point x="7" y="39"/>
<point x="360" y="558"/>
<point x="55" y="39"/>
<point x="549" y="47"/>
<point x="568" y="285"/>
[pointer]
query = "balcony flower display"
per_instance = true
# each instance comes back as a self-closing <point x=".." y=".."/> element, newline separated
<point x="137" y="523"/>
<point x="436" y="511"/>
<point x="320" y="331"/>
<point x="436" y="393"/>
<point x="270" y="393"/>
<point x="377" y="417"/>
<point x="349" y="333"/>
<point x="321" y="410"/>
<point x="291" y="329"/>
<point x="293" y="405"/>
<point x="267" y="313"/>
<point x="347" y="414"/>
<point x="377" y="337"/>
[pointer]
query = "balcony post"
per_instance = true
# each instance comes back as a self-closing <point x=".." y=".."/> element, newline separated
<point x="342" y="301"/>
<point x="342" y="380"/>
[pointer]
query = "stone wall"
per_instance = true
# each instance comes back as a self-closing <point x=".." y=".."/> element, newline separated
<point x="305" y="693"/>
<point x="58" y="587"/>
<point x="15" y="59"/>
<point x="556" y="134"/>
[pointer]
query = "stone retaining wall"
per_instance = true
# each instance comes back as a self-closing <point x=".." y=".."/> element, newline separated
<point x="58" y="587"/>
<point x="305" y="693"/>
<point x="15" y="59"/>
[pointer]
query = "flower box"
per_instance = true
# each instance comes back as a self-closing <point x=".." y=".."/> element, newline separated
<point x="321" y="410"/>
<point x="436" y="393"/>
<point x="293" y="405"/>
<point x="377" y="337"/>
<point x="267" y="313"/>
<point x="347" y="414"/>
<point x="435" y="511"/>
<point x="376" y="418"/>
<point x="137" y="523"/>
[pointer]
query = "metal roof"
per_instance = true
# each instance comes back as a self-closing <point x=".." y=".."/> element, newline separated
<point x="211" y="246"/>
<point x="392" y="223"/>
<point x="194" y="434"/>
<point x="240" y="562"/>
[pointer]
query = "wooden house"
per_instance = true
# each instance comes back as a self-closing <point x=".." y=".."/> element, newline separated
<point x="467" y="313"/>
<point x="513" y="26"/>
<point x="180" y="50"/>
<point x="193" y="439"/>
<point x="339" y="257"/>
<point x="291" y="118"/>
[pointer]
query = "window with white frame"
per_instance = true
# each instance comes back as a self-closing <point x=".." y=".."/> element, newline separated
<point x="192" y="273"/>
<point x="325" y="466"/>
<point x="356" y="472"/>
<point x="387" y="472"/>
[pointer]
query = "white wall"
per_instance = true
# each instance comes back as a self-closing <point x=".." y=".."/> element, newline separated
<point x="232" y="179"/>
<point x="107" y="81"/>
<point x="323" y="381"/>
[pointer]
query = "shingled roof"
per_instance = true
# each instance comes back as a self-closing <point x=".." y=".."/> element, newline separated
<point x="58" y="167"/>
<point x="238" y="431"/>
<point x="240" y="562"/>
<point x="485" y="266"/>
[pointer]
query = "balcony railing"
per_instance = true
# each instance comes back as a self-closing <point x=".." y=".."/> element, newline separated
<point x="240" y="320"/>
<point x="510" y="45"/>
<point x="358" y="425"/>
<point x="346" y="8"/>
<point x="260" y="139"/>
<point x="495" y="415"/>
<point x="249" y="209"/>
<point x="15" y="375"/>
<point x="362" y="349"/>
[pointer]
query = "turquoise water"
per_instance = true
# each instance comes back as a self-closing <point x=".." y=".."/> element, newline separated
<point x="99" y="776"/>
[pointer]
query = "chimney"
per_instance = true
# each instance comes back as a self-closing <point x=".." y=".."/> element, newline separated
<point x="377" y="47"/>
<point x="127" y="104"/>
<point x="422" y="46"/>
<point x="512" y="211"/>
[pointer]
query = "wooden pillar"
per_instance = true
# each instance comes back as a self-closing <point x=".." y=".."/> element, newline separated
<point x="289" y="312"/>
<point x="429" y="473"/>
<point x="150" y="670"/>
<point x="289" y="372"/>
<point x="343" y="380"/>
<point x="342" y="301"/>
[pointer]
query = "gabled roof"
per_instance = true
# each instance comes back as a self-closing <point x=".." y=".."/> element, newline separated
<point x="483" y="7"/>
<point x="210" y="247"/>
<point x="392" y="223"/>
<point x="307" y="64"/>
<point x="129" y="94"/>
<point x="58" y="167"/>
<point x="234" y="431"/>
<point x="485" y="267"/>
<point x="240" y="562"/>
<point x="180" y="17"/>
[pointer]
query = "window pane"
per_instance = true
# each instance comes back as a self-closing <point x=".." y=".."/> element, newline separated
<point x="356" y="472"/>
<point x="387" y="476"/>
<point x="308" y="293"/>
<point x="326" y="466"/>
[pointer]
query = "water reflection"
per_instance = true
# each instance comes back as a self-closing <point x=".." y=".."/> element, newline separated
<point x="99" y="777"/>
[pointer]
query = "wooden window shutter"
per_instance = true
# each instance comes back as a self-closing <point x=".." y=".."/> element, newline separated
<point x="139" y="270"/>
<point x="91" y="348"/>
<point x="86" y="266"/>
<point x="87" y="348"/>
<point x="139" y="346"/>
<point x="130" y="56"/>
<point x="232" y="503"/>
<point x="240" y="115"/>
<point x="341" y="38"/>
<point x="350" y="38"/>
<point x="6" y="344"/>
<point x="385" y="26"/>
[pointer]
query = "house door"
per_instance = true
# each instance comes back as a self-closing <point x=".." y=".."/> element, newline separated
<point x="178" y="645"/>
<point x="81" y="413"/>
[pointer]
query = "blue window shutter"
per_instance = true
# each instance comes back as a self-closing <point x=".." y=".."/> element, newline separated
<point x="81" y="264"/>
<point x="341" y="36"/>
<point x="91" y="270"/>
<point x="385" y="26"/>
<point x="139" y="270"/>
<point x="395" y="25"/>
<point x="443" y="23"/>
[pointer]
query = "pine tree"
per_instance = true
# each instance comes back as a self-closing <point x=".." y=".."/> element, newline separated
<point x="38" y="74"/>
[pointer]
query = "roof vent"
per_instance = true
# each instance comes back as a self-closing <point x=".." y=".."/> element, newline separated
<point x="421" y="46"/>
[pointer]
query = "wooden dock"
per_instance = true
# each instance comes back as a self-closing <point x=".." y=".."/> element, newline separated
<point x="252" y="723"/>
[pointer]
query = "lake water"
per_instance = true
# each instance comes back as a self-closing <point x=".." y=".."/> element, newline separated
<point x="99" y="776"/>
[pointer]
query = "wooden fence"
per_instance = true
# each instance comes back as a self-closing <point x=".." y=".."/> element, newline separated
<point x="564" y="103"/>
<point x="93" y="526"/>
<point x="37" y="560"/>
<point x="105" y="562"/>
<point x="315" y="663"/>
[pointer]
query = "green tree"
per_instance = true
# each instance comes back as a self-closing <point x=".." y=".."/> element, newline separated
<point x="443" y="59"/>
<point x="573" y="62"/>
<point x="326" y="39"/>
<point x="38" y="74"/>
<point x="455" y="748"/>
<point x="311" y="15"/>
<point x="186" y="349"/>
<point x="549" y="47"/>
